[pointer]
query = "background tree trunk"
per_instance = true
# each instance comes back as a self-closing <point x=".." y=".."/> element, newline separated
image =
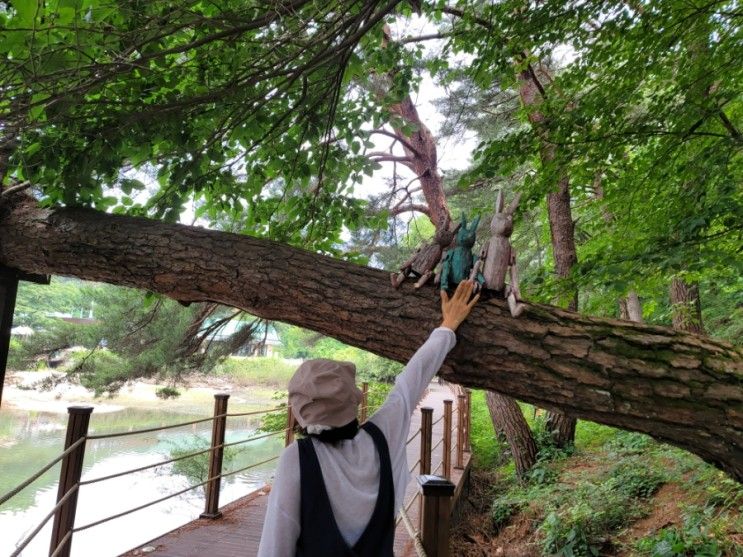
<point x="562" y="233"/>
<point x="630" y="307"/>
<point x="508" y="418"/>
<point x="678" y="387"/>
<point x="686" y="306"/>
<point x="562" y="228"/>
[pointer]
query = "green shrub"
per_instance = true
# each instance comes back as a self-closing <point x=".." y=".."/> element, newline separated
<point x="541" y="473"/>
<point x="17" y="356"/>
<point x="377" y="395"/>
<point x="196" y="468"/>
<point x="580" y="525"/>
<point x="502" y="509"/>
<point x="695" y="537"/>
<point x="275" y="421"/>
<point x="629" y="442"/>
<point x="100" y="370"/>
<point x="167" y="392"/>
<point x="546" y="447"/>
<point x="635" y="478"/>
<point x="719" y="489"/>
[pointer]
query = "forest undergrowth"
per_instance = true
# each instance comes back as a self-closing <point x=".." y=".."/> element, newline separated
<point x="616" y="493"/>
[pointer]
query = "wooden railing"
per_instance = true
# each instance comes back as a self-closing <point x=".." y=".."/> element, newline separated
<point x="435" y="497"/>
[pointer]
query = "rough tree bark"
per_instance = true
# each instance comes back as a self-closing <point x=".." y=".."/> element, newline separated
<point x="630" y="307"/>
<point x="562" y="228"/>
<point x="686" y="306"/>
<point x="680" y="388"/>
<point x="508" y="418"/>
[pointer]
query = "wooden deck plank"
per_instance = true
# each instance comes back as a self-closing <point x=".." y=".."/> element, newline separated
<point x="238" y="532"/>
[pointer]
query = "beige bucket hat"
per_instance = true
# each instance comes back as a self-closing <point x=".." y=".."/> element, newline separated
<point x="324" y="392"/>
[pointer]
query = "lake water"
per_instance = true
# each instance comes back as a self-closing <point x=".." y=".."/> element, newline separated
<point x="29" y="440"/>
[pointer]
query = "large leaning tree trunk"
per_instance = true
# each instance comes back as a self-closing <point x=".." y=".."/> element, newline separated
<point x="678" y="387"/>
<point x="508" y="418"/>
<point x="562" y="228"/>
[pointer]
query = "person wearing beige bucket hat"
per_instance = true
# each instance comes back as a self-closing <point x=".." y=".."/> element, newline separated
<point x="323" y="394"/>
<point x="337" y="490"/>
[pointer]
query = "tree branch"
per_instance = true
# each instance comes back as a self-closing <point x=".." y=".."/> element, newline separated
<point x="412" y="207"/>
<point x="400" y="138"/>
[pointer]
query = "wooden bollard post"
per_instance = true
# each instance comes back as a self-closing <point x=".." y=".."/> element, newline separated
<point x="364" y="401"/>
<point x="447" y="438"/>
<point x="69" y="476"/>
<point x="468" y="421"/>
<point x="290" y="423"/>
<point x="219" y="424"/>
<point x="426" y="434"/>
<point x="436" y="515"/>
<point x="461" y="417"/>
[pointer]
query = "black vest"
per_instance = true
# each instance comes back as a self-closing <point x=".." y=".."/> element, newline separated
<point x="319" y="536"/>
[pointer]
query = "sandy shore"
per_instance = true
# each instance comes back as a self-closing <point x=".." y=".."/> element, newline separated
<point x="22" y="392"/>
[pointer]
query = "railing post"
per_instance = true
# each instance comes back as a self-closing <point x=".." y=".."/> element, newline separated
<point x="219" y="424"/>
<point x="290" y="423"/>
<point x="461" y="417"/>
<point x="436" y="515"/>
<point x="69" y="476"/>
<point x="364" y="401"/>
<point x="447" y="438"/>
<point x="468" y="421"/>
<point x="426" y="434"/>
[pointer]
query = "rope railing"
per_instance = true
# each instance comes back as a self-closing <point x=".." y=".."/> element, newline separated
<point x="73" y="455"/>
<point x="16" y="490"/>
<point x="182" y="424"/>
<point x="182" y="457"/>
<point x="140" y="507"/>
<point x="406" y="507"/>
<point x="170" y="496"/>
<point x="77" y="436"/>
<point x="413" y="533"/>
<point x="20" y="547"/>
<point x="249" y="467"/>
<point x="412" y="437"/>
<point x="152" y="429"/>
<point x="416" y="463"/>
<point x="257" y="412"/>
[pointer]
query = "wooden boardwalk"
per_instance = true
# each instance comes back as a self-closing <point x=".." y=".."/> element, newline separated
<point x="238" y="532"/>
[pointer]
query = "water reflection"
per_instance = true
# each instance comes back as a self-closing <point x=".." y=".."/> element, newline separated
<point x="28" y="440"/>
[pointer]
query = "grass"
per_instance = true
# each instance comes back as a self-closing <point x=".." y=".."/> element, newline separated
<point x="265" y="372"/>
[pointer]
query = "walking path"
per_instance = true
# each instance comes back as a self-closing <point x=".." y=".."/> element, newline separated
<point x="238" y="532"/>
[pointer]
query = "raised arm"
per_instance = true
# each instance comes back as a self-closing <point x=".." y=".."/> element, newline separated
<point x="393" y="418"/>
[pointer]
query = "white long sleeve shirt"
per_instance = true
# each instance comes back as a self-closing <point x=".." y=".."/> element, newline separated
<point x="350" y="468"/>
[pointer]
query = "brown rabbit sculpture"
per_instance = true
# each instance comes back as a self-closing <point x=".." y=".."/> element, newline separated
<point x="498" y="258"/>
